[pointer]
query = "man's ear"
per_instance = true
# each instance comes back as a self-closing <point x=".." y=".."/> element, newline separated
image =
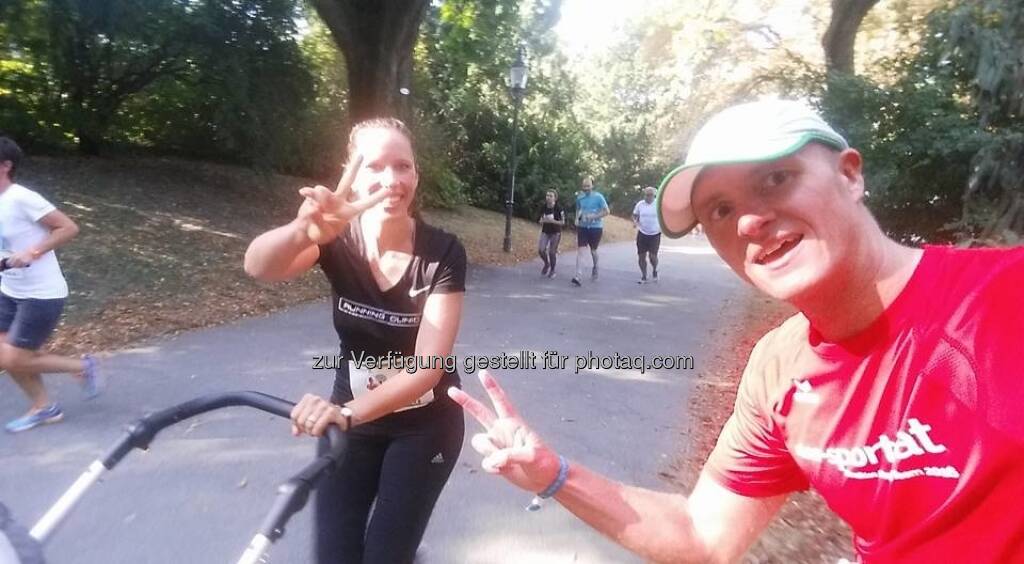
<point x="849" y="164"/>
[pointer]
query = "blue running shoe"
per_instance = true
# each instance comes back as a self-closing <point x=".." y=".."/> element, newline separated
<point x="92" y="380"/>
<point x="49" y="414"/>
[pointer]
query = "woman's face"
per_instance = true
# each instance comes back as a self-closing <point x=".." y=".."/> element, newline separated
<point x="388" y="164"/>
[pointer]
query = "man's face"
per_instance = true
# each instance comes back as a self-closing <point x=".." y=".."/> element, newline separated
<point x="789" y="226"/>
<point x="549" y="198"/>
<point x="587" y="185"/>
<point x="648" y="196"/>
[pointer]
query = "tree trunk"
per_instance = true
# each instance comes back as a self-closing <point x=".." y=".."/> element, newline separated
<point x="88" y="143"/>
<point x="841" y="35"/>
<point x="377" y="38"/>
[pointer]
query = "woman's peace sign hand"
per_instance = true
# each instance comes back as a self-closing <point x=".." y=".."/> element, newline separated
<point x="325" y="213"/>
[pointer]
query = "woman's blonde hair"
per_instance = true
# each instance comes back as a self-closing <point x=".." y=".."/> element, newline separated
<point x="394" y="124"/>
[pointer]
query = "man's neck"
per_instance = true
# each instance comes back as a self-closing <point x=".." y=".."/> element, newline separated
<point x="5" y="183"/>
<point x="858" y="295"/>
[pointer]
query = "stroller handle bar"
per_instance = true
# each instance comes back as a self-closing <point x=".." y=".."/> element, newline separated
<point x="292" y="495"/>
<point x="141" y="433"/>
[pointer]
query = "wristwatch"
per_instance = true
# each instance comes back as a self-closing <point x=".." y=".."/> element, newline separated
<point x="347" y="413"/>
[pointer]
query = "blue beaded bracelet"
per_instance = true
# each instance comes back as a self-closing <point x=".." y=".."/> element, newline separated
<point x="563" y="475"/>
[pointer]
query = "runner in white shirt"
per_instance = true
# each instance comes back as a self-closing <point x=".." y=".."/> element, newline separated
<point x="648" y="234"/>
<point x="32" y="293"/>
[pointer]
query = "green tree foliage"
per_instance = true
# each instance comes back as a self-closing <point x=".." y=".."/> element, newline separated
<point x="23" y="86"/>
<point x="72" y="64"/>
<point x="917" y="137"/>
<point x="987" y="37"/>
<point x="668" y="67"/>
<point x="235" y="81"/>
<point x="620" y="105"/>
<point x="939" y="125"/>
<point x="249" y="95"/>
<point x="465" y="110"/>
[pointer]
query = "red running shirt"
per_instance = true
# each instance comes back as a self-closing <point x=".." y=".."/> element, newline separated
<point x="912" y="430"/>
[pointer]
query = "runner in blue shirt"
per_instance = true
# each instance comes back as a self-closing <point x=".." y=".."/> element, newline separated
<point x="590" y="208"/>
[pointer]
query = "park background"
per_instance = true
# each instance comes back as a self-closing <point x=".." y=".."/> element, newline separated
<point x="174" y="131"/>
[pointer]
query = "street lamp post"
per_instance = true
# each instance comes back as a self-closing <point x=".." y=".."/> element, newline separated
<point x="517" y="83"/>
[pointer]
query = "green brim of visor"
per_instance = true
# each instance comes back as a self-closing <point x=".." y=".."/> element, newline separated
<point x="685" y="176"/>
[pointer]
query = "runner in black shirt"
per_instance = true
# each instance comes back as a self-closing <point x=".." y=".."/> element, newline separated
<point x="397" y="288"/>
<point x="552" y="218"/>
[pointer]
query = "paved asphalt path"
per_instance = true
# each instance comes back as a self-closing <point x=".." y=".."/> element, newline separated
<point x="200" y="492"/>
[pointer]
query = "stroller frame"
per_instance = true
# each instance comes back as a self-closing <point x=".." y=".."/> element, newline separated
<point x="292" y="494"/>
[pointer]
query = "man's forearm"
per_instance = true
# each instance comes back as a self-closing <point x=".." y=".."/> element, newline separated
<point x="655" y="525"/>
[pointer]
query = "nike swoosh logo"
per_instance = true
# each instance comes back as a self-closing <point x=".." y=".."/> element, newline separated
<point x="413" y="292"/>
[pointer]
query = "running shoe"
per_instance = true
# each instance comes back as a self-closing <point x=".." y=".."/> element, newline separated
<point x="46" y="415"/>
<point x="92" y="380"/>
<point x="576" y="282"/>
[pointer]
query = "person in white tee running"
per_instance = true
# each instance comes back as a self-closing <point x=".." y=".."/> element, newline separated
<point x="32" y="293"/>
<point x="648" y="234"/>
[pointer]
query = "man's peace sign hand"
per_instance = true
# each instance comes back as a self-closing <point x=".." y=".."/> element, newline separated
<point x="509" y="447"/>
<point x="325" y="213"/>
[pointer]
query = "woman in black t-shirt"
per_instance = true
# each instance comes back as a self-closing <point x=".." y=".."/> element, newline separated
<point x="552" y="218"/>
<point x="397" y="286"/>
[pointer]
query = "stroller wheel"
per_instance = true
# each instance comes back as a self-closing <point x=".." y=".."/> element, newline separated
<point x="16" y="545"/>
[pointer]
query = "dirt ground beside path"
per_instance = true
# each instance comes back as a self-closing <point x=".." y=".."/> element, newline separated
<point x="805" y="531"/>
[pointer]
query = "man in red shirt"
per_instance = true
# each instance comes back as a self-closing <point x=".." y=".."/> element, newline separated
<point x="894" y="392"/>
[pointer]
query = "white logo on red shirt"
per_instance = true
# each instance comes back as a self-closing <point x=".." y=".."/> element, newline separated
<point x="804" y="393"/>
<point x="915" y="441"/>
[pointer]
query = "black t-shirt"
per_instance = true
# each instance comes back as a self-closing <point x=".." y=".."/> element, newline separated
<point x="373" y="322"/>
<point x="558" y="214"/>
